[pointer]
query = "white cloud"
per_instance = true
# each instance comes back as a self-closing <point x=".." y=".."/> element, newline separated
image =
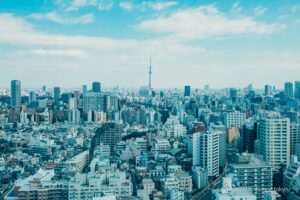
<point x="105" y="4"/>
<point x="260" y="10"/>
<point x="128" y="6"/>
<point x="157" y="6"/>
<point x="54" y="52"/>
<point x="43" y="58"/>
<point x="204" y="22"/>
<point x="236" y="7"/>
<point x="53" y="16"/>
<point x="282" y="17"/>
<point x="295" y="8"/>
<point x="16" y="31"/>
<point x="297" y="21"/>
<point x="100" y="4"/>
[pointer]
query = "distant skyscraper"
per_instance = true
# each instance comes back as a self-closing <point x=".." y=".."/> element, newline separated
<point x="96" y="87"/>
<point x="267" y="90"/>
<point x="15" y="89"/>
<point x="56" y="94"/>
<point x="91" y="102"/>
<point x="84" y="89"/>
<point x="289" y="90"/>
<point x="187" y="91"/>
<point x="44" y="88"/>
<point x="297" y="90"/>
<point x="233" y="94"/>
<point x="32" y="96"/>
<point x="206" y="87"/>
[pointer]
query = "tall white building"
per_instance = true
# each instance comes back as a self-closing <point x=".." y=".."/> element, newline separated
<point x="206" y="151"/>
<point x="274" y="133"/>
<point x="234" y="119"/>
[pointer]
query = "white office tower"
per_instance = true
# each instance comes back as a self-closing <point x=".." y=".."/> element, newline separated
<point x="72" y="103"/>
<point x="295" y="137"/>
<point x="291" y="172"/>
<point x="206" y="151"/>
<point x="229" y="193"/>
<point x="274" y="133"/>
<point x="234" y="119"/>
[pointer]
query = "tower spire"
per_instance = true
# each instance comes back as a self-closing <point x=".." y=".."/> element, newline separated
<point x="150" y="74"/>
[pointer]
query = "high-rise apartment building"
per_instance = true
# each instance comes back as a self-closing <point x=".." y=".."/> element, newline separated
<point x="15" y="89"/>
<point x="234" y="119"/>
<point x="250" y="171"/>
<point x="274" y="134"/>
<point x="206" y="151"/>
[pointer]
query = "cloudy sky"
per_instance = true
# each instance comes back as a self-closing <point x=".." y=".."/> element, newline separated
<point x="221" y="43"/>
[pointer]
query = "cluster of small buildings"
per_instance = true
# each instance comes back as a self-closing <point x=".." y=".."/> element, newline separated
<point x="149" y="144"/>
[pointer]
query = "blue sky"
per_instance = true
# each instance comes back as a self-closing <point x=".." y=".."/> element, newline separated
<point x="221" y="43"/>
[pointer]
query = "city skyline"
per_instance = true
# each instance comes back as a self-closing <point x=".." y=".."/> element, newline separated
<point x="223" y="44"/>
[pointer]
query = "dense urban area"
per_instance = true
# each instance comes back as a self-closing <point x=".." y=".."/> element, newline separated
<point x="189" y="143"/>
